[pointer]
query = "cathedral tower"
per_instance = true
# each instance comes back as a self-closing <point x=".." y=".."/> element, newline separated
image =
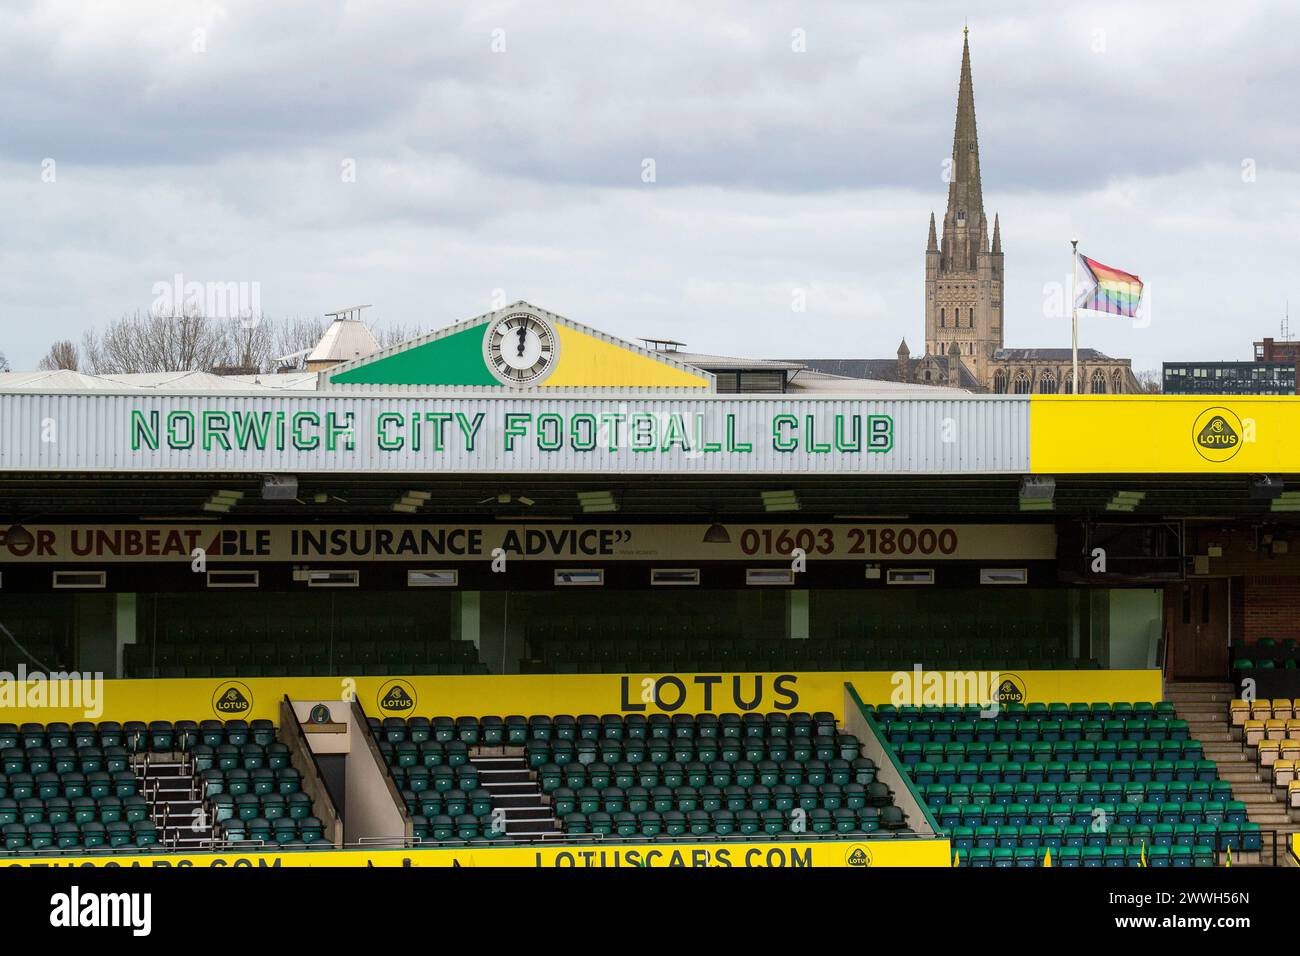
<point x="963" y="268"/>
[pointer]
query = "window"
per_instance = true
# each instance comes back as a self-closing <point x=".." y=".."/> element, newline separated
<point x="1004" y="576"/>
<point x="233" y="579"/>
<point x="1098" y="382"/>
<point x="1022" y="382"/>
<point x="769" y="577"/>
<point x="909" y="576"/>
<point x="80" y="580"/>
<point x="1047" y="383"/>
<point x="333" y="579"/>
<point x="1000" y="381"/>
<point x="674" y="577"/>
<point x="580" y="577"/>
<point x="432" y="579"/>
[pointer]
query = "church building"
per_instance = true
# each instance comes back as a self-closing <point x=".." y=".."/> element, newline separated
<point x="964" y="286"/>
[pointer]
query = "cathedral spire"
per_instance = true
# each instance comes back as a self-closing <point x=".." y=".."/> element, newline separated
<point x="997" y="234"/>
<point x="933" y="245"/>
<point x="965" y="230"/>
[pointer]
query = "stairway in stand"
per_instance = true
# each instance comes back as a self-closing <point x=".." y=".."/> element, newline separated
<point x="1204" y="705"/>
<point x="168" y="782"/>
<point x="516" y="792"/>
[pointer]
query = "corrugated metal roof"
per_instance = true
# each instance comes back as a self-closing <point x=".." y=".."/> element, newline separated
<point x="708" y="362"/>
<point x="825" y="383"/>
<point x="181" y="382"/>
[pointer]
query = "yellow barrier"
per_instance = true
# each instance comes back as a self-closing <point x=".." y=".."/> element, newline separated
<point x="481" y="695"/>
<point x="860" y="854"/>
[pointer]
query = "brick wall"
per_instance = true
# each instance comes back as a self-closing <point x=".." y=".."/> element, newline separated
<point x="1272" y="607"/>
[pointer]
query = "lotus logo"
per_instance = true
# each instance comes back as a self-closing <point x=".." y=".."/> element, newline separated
<point x="1011" y="690"/>
<point x="858" y="855"/>
<point x="397" y="698"/>
<point x="232" y="700"/>
<point x="1217" y="434"/>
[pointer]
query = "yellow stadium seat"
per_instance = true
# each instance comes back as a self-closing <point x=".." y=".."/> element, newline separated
<point x="1261" y="710"/>
<point x="1275" y="729"/>
<point x="1283" y="772"/>
<point x="1239" y="712"/>
<point x="1293" y="794"/>
<point x="1282" y="709"/>
<point x="1268" y="752"/>
<point x="1253" y="732"/>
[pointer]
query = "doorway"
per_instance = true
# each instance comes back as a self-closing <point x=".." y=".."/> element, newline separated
<point x="1196" y="629"/>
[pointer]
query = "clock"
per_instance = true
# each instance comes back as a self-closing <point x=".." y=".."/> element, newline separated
<point x="521" y="349"/>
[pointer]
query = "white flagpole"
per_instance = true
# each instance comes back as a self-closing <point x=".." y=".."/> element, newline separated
<point x="1074" y="312"/>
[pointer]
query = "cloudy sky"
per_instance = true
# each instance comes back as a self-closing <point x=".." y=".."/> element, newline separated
<point x="430" y="157"/>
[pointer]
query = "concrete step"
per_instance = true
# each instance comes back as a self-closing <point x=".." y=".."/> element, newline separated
<point x="510" y="789"/>
<point x="518" y="802"/>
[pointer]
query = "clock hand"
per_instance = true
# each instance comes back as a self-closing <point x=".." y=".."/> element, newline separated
<point x="522" y="332"/>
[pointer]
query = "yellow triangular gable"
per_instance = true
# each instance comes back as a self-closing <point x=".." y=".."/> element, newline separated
<point x="590" y="362"/>
<point x="455" y="356"/>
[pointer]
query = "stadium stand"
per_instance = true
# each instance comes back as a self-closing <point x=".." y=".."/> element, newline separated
<point x="1102" y="784"/>
<point x="161" y="786"/>
<point x="634" y="776"/>
<point x="272" y="658"/>
<point x="567" y="655"/>
<point x="1268" y="733"/>
<point x="1266" y="653"/>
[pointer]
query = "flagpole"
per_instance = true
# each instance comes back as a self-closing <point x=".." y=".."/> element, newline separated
<point x="1074" y="313"/>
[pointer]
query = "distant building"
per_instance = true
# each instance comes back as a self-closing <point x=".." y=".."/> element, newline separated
<point x="1230" y="378"/>
<point x="1270" y="350"/>
<point x="344" y="341"/>
<point x="964" y="284"/>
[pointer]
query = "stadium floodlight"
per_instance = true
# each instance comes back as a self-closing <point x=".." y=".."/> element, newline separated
<point x="1267" y="487"/>
<point x="1037" y="492"/>
<point x="597" y="501"/>
<point x="1125" y="501"/>
<point x="1286" y="501"/>
<point x="780" y="501"/>
<point x="279" y="488"/>
<point x="1038" y="487"/>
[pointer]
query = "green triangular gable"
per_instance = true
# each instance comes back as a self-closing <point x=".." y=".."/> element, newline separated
<point x="455" y="359"/>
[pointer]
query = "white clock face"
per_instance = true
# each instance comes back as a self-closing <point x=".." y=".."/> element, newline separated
<point x="521" y="349"/>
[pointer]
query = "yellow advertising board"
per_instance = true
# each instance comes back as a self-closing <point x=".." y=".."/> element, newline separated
<point x="862" y="853"/>
<point x="39" y="700"/>
<point x="1163" y="434"/>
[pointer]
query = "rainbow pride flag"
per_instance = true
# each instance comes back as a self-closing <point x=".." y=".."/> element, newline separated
<point x="1106" y="289"/>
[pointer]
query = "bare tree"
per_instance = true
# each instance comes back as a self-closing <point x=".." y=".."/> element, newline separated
<point x="4" y="363"/>
<point x="62" y="355"/>
<point x="299" y="334"/>
<point x="189" y="341"/>
<point x="250" y="345"/>
<point x="395" y="334"/>
<point x="1150" y="381"/>
<point x="151" y="342"/>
